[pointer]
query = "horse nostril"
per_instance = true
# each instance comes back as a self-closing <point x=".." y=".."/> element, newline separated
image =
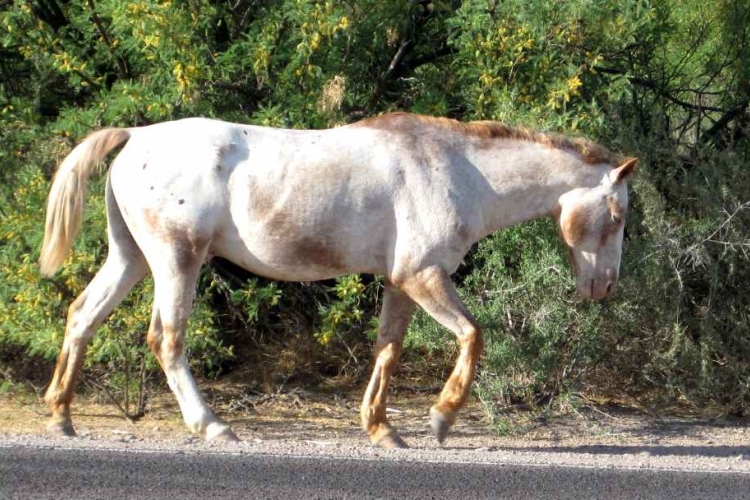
<point x="610" y="286"/>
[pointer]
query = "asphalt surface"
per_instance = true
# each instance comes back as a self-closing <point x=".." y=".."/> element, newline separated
<point x="28" y="472"/>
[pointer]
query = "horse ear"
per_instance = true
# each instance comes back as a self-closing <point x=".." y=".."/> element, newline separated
<point x="623" y="171"/>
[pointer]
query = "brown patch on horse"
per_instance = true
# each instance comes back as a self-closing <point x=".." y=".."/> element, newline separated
<point x="151" y="217"/>
<point x="157" y="333"/>
<point x="574" y="227"/>
<point x="614" y="208"/>
<point x="60" y="393"/>
<point x="261" y="204"/>
<point x="174" y="345"/>
<point x="456" y="390"/>
<point x="589" y="152"/>
<point x="189" y="248"/>
<point x="64" y="384"/>
<point x="153" y="339"/>
<point x="618" y="216"/>
<point x="317" y="251"/>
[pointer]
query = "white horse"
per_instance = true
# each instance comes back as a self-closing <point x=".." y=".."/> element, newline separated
<point x="400" y="195"/>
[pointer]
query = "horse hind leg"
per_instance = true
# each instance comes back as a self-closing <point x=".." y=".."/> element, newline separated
<point x="124" y="267"/>
<point x="175" y="278"/>
<point x="394" y="319"/>
<point x="433" y="290"/>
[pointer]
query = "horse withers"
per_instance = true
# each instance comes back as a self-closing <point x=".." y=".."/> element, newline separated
<point x="400" y="195"/>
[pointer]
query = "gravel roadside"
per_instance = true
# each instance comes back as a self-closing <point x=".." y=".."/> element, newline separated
<point x="309" y="425"/>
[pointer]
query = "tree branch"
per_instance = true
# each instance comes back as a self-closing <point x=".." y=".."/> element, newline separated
<point x="49" y="12"/>
<point x="715" y="131"/>
<point x="121" y="62"/>
<point x="652" y="85"/>
<point x="414" y="21"/>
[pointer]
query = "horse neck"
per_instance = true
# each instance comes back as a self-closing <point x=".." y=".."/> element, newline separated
<point x="526" y="180"/>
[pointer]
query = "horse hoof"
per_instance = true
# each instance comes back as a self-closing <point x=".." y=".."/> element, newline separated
<point x="61" y="429"/>
<point x="392" y="442"/>
<point x="440" y="425"/>
<point x="225" y="435"/>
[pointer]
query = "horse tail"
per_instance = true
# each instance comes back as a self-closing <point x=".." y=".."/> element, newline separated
<point x="67" y="196"/>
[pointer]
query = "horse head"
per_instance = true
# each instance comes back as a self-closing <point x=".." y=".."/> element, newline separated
<point x="592" y="223"/>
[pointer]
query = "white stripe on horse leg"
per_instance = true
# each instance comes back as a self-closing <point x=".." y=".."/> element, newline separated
<point x="110" y="285"/>
<point x="174" y="294"/>
<point x="394" y="319"/>
<point x="433" y="290"/>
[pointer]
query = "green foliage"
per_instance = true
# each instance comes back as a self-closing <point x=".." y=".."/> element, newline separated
<point x="664" y="81"/>
<point x="341" y="316"/>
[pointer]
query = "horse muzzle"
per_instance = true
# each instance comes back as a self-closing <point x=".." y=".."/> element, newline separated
<point x="596" y="289"/>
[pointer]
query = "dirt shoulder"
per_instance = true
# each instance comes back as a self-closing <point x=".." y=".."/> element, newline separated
<point x="300" y="416"/>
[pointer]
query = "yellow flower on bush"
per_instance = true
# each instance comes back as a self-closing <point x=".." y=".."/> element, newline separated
<point x="574" y="84"/>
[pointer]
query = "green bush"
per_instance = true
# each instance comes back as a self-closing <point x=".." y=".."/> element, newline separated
<point x="664" y="81"/>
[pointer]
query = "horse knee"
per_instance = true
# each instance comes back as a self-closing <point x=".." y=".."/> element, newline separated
<point x="166" y="343"/>
<point x="172" y="347"/>
<point x="472" y="342"/>
<point x="78" y="326"/>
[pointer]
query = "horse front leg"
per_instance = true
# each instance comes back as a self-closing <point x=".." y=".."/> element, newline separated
<point x="394" y="319"/>
<point x="174" y="291"/>
<point x="434" y="291"/>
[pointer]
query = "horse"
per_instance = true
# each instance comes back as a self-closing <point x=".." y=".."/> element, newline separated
<point x="400" y="195"/>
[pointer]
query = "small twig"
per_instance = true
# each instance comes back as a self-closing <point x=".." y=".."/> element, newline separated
<point x="127" y="385"/>
<point x="727" y="221"/>
<point x="524" y="285"/>
<point x="114" y="401"/>
<point x="141" y="388"/>
<point x="592" y="405"/>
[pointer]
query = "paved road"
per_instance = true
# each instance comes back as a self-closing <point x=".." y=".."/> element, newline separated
<point x="30" y="473"/>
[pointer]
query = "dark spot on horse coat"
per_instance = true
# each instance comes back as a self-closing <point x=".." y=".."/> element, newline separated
<point x="188" y="249"/>
<point x="144" y="166"/>
<point x="462" y="231"/>
<point x="317" y="251"/>
<point x="180" y="201"/>
<point x="373" y="203"/>
<point x="225" y="150"/>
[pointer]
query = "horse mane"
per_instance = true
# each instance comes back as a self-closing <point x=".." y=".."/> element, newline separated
<point x="589" y="151"/>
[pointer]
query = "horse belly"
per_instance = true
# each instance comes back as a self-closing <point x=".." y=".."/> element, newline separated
<point x="299" y="248"/>
<point x="303" y="258"/>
